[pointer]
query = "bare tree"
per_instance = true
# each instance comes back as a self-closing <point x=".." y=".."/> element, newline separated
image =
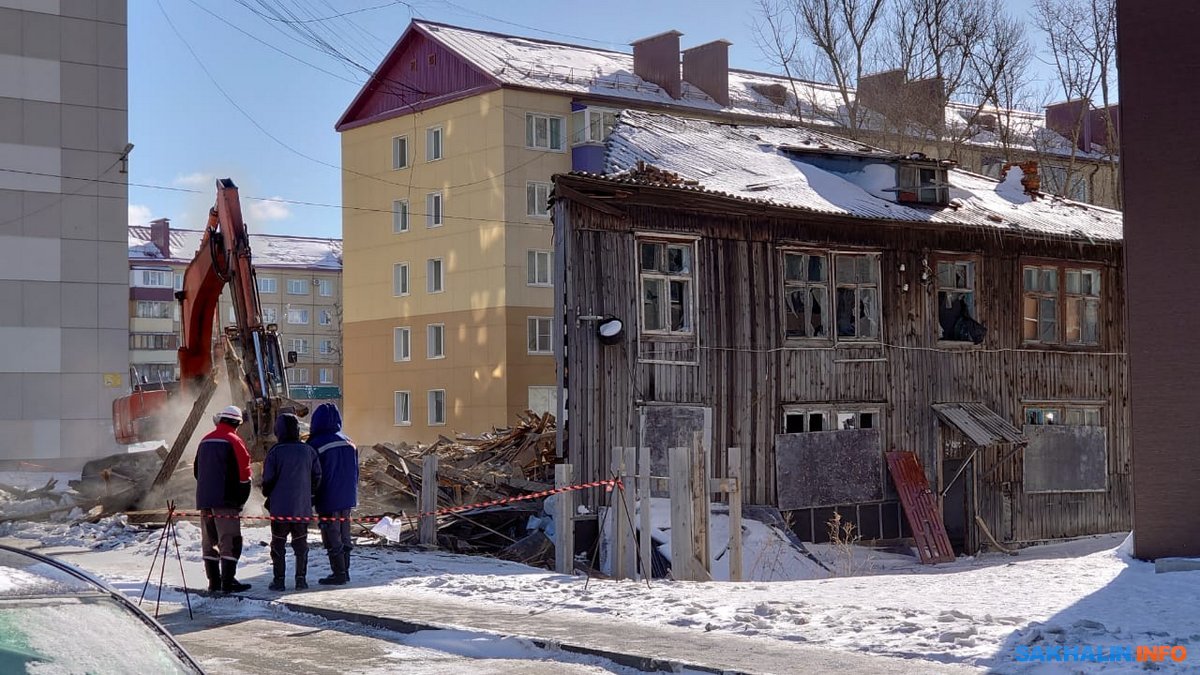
<point x="842" y="32"/>
<point x="775" y="33"/>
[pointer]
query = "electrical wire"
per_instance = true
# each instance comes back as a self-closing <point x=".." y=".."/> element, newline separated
<point x="353" y="11"/>
<point x="63" y="197"/>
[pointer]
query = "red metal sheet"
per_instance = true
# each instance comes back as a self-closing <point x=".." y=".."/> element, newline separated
<point x="920" y="507"/>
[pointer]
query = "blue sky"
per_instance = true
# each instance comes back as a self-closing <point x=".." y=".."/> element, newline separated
<point x="186" y="131"/>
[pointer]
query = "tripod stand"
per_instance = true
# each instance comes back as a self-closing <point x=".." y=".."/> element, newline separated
<point x="165" y="539"/>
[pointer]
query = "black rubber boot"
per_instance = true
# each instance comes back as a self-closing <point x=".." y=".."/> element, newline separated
<point x="301" y="551"/>
<point x="337" y="563"/>
<point x="346" y="563"/>
<point x="229" y="584"/>
<point x="212" y="569"/>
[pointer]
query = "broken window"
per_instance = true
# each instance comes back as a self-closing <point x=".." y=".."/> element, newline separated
<point x="799" y="420"/>
<point x="857" y="298"/>
<point x="1069" y="415"/>
<point x="667" y="273"/>
<point x="922" y="184"/>
<point x="956" y="302"/>
<point x="1075" y="304"/>
<point x="806" y="295"/>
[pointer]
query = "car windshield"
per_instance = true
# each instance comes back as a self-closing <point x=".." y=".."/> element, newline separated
<point x="80" y="635"/>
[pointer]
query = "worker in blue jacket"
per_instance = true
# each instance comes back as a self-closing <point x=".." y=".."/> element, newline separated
<point x="291" y="477"/>
<point x="338" y="492"/>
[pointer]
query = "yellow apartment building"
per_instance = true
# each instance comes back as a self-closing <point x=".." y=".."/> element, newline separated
<point x="447" y="155"/>
<point x="299" y="287"/>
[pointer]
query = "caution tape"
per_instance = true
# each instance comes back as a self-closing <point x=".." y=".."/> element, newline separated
<point x="610" y="483"/>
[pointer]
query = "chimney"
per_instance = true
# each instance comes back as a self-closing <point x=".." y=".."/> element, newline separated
<point x="881" y="92"/>
<point x="656" y="59"/>
<point x="1030" y="179"/>
<point x="1100" y="130"/>
<point x="1071" y="120"/>
<point x="160" y="235"/>
<point x="707" y="67"/>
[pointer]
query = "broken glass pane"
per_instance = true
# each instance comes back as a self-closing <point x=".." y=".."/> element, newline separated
<point x="1091" y="322"/>
<point x="846" y="312"/>
<point x="816" y="422"/>
<point x="679" y="259"/>
<point x="793" y="423"/>
<point x="1030" y="323"/>
<point x="817" y="313"/>
<point x="1031" y="279"/>
<point x="1091" y="282"/>
<point x="652" y="301"/>
<point x="866" y="420"/>
<point x="1047" y="320"/>
<point x="868" y="325"/>
<point x="652" y="257"/>
<point x="964" y="275"/>
<point x="946" y="275"/>
<point x="794" y="318"/>
<point x="846" y="421"/>
<point x="816" y="268"/>
<point x="793" y="267"/>
<point x="681" y="306"/>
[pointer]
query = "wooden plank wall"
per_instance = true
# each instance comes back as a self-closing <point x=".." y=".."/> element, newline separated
<point x="747" y="371"/>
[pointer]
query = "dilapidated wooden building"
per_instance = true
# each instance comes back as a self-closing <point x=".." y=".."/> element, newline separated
<point x="817" y="302"/>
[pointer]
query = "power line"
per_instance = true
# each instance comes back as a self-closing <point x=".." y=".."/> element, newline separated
<point x="338" y="16"/>
<point x="535" y="29"/>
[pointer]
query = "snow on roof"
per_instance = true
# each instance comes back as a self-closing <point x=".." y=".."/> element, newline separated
<point x="802" y="169"/>
<point x="269" y="250"/>
<point x="574" y="69"/>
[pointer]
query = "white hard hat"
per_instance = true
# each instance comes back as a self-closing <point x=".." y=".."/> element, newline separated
<point x="230" y="412"/>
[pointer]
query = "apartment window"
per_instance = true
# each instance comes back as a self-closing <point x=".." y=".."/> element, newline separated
<point x="437" y="407"/>
<point x="809" y="419"/>
<point x="179" y="281"/>
<point x="539" y="329"/>
<point x="537" y="196"/>
<point x="297" y="286"/>
<point x="156" y="372"/>
<point x="857" y="296"/>
<point x="270" y="314"/>
<point x="543" y="132"/>
<point x="435" y="341"/>
<point x="667" y="274"/>
<point x="543" y="400"/>
<point x="298" y="345"/>
<point x="400" y="279"/>
<point x="268" y="285"/>
<point x="592" y="125"/>
<point x="325" y="288"/>
<point x="402" y="406"/>
<point x="433" y="209"/>
<point x="177" y="311"/>
<point x="433" y="144"/>
<point x="297" y="317"/>
<point x="153" y="309"/>
<point x="1055" y="313"/>
<point x="153" y="341"/>
<point x="540" y="263"/>
<point x="325" y="317"/>
<point x="154" y="278"/>
<point x="399" y="216"/>
<point x="401" y="344"/>
<point x="325" y="376"/>
<point x="922" y="184"/>
<point x="806" y="295"/>
<point x="299" y="376"/>
<point x="325" y="347"/>
<point x="956" y="302"/>
<point x="400" y="152"/>
<point x="435" y="281"/>
<point x="1056" y="180"/>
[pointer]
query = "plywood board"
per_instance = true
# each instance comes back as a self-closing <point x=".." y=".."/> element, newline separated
<point x="825" y="468"/>
<point x="1062" y="458"/>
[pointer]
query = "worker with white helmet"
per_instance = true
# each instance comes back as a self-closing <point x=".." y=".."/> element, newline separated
<point x="222" y="471"/>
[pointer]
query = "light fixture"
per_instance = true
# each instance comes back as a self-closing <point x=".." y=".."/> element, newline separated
<point x="610" y="330"/>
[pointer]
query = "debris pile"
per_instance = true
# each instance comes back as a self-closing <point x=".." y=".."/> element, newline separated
<point x="499" y="464"/>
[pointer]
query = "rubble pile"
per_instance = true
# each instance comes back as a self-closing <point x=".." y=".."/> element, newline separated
<point x="499" y="464"/>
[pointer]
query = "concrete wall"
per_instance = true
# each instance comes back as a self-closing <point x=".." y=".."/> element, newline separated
<point x="63" y="271"/>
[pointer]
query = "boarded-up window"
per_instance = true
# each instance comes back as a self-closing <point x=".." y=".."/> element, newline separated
<point x="828" y="468"/>
<point x="670" y="426"/>
<point x="1066" y="458"/>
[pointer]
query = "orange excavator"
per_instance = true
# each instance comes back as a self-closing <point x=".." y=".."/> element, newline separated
<point x="254" y="361"/>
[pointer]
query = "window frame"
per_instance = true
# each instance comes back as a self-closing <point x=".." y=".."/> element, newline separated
<point x="405" y="355"/>
<point x="429" y="411"/>
<point x="435" y="215"/>
<point x="298" y="345"/>
<point x="830" y="413"/>
<point x="273" y="316"/>
<point x="322" y="284"/>
<point x="531" y="268"/>
<point x="429" y="341"/>
<point x="830" y="328"/>
<point x="531" y="207"/>
<point x="439" y="133"/>
<point x="325" y="317"/>
<point x="910" y="191"/>
<point x="138" y="314"/>
<point x="400" y="216"/>
<point x="325" y="347"/>
<point x="325" y="376"/>
<point x="1062" y="297"/>
<point x="407" y="408"/>
<point x="396" y="141"/>
<point x="533" y="336"/>
<point x="581" y="123"/>
<point x="303" y="282"/>
<point x="531" y="119"/>
<point x="268" y="285"/>
<point x="306" y="315"/>
<point x="441" y="275"/>
<point x="299" y="376"/>
<point x="404" y="288"/>
<point x="976" y="263"/>
<point x="691" y="278"/>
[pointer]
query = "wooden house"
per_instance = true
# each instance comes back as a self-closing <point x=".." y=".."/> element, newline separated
<point x="817" y="302"/>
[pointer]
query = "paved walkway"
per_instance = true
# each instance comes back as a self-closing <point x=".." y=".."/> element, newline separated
<point x="632" y="644"/>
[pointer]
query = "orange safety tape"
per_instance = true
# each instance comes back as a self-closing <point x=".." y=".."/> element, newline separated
<point x="443" y="511"/>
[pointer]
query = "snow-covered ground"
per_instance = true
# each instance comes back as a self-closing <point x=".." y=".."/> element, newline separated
<point x="975" y="611"/>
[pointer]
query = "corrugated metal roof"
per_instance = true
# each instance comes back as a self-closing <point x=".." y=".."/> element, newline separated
<point x="979" y="423"/>
<point x="790" y="167"/>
